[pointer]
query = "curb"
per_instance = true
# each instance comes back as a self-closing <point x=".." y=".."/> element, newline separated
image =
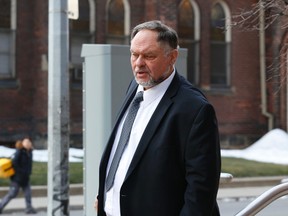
<point x="77" y="189"/>
<point x="41" y="191"/>
<point x="253" y="182"/>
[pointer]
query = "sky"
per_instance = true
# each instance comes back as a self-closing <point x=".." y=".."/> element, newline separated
<point x="271" y="148"/>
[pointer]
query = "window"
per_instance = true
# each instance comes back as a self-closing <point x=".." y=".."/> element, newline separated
<point x="220" y="38"/>
<point x="118" y="22"/>
<point x="189" y="35"/>
<point x="7" y="38"/>
<point x="81" y="31"/>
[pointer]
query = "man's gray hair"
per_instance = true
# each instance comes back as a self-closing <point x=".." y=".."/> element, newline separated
<point x="165" y="33"/>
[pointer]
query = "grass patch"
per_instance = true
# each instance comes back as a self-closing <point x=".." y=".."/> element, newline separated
<point x="246" y="168"/>
<point x="237" y="167"/>
<point x="39" y="174"/>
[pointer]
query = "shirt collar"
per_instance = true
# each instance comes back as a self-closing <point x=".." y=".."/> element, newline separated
<point x="156" y="91"/>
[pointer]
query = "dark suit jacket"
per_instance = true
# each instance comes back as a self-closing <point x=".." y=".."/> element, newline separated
<point x="176" y="167"/>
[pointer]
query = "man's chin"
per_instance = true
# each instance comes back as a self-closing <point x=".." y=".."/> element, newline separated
<point x="145" y="84"/>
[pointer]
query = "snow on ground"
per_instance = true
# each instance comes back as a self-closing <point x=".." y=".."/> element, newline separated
<point x="271" y="148"/>
<point x="75" y="155"/>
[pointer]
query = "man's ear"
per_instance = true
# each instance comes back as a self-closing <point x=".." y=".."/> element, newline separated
<point x="174" y="55"/>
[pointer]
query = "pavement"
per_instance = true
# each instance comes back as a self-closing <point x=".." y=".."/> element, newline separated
<point x="236" y="189"/>
<point x="39" y="201"/>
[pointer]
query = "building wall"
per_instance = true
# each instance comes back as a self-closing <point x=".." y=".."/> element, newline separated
<point x="24" y="103"/>
<point x="17" y="98"/>
<point x="238" y="107"/>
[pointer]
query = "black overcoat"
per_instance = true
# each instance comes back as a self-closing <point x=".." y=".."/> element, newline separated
<point x="176" y="167"/>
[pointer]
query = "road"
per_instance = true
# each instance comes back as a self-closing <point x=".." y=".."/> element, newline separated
<point x="232" y="207"/>
<point x="227" y="208"/>
<point x="42" y="213"/>
<point x="230" y="200"/>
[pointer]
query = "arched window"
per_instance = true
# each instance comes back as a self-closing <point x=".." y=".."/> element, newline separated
<point x="118" y="22"/>
<point x="81" y="31"/>
<point x="189" y="35"/>
<point x="220" y="40"/>
<point x="7" y="38"/>
<point x="116" y="15"/>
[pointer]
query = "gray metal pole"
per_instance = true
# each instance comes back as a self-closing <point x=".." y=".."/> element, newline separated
<point x="58" y="110"/>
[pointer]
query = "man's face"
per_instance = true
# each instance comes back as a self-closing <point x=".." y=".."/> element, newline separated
<point x="151" y="61"/>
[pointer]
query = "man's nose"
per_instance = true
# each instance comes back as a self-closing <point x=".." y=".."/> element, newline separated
<point x="140" y="61"/>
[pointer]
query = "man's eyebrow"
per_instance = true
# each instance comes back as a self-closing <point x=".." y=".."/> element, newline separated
<point x="145" y="52"/>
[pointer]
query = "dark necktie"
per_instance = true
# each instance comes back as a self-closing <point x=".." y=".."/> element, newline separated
<point x="124" y="137"/>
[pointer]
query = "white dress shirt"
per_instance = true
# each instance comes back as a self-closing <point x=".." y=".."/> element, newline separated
<point x="151" y="99"/>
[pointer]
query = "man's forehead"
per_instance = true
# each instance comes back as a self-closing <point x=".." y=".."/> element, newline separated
<point x="145" y="36"/>
<point x="145" y="42"/>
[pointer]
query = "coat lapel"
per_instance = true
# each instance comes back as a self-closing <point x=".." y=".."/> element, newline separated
<point x="154" y="122"/>
<point x="130" y="94"/>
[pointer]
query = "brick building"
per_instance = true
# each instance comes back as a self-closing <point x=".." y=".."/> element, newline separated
<point x="225" y="63"/>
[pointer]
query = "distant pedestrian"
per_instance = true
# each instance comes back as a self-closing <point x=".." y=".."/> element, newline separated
<point x="22" y="163"/>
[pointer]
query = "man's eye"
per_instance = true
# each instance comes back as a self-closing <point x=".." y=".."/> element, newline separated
<point x="149" y="57"/>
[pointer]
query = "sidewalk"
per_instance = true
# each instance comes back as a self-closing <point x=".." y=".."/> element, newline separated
<point x="17" y="205"/>
<point x="247" y="188"/>
<point x="40" y="201"/>
<point x="238" y="189"/>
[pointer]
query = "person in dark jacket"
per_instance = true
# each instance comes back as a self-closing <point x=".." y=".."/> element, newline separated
<point x="169" y="161"/>
<point x="22" y="163"/>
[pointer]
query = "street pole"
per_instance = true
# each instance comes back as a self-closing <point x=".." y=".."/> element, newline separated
<point x="58" y="110"/>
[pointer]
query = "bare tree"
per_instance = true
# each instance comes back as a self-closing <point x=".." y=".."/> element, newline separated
<point x="274" y="11"/>
<point x="270" y="16"/>
<point x="248" y="19"/>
